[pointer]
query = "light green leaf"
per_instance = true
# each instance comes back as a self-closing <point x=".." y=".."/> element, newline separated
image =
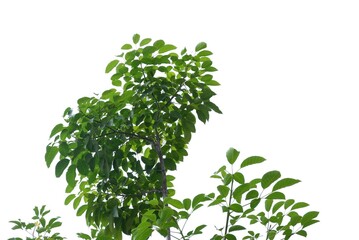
<point x="252" y="160"/>
<point x="238" y="177"/>
<point x="223" y="190"/>
<point x="136" y="38"/>
<point x="126" y="47"/>
<point x="269" y="178"/>
<point x="285" y="182"/>
<point x="268" y="204"/>
<point x="81" y="210"/>
<point x="61" y="166"/>
<point x="175" y="203"/>
<point x="71" y="175"/>
<point x="166" y="48"/>
<point x="232" y="155"/>
<point x="204" y="53"/>
<point x="69" y="198"/>
<point x="111" y="65"/>
<point x="145" y="41"/>
<point x="200" y="46"/>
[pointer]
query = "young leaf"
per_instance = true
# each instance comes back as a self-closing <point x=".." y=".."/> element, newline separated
<point x="111" y="65"/>
<point x="126" y="46"/>
<point x="269" y="178"/>
<point x="200" y="46"/>
<point x="136" y="38"/>
<point x="252" y="160"/>
<point x="285" y="182"/>
<point x="232" y="155"/>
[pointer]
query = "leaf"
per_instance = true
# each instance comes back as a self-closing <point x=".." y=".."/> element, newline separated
<point x="166" y="48"/>
<point x="254" y="203"/>
<point x="276" y="195"/>
<point x="158" y="44"/>
<point x="58" y="128"/>
<point x="50" y="154"/>
<point x="187" y="203"/>
<point x="126" y="46"/>
<point x="238" y="177"/>
<point x="277" y="206"/>
<point x="268" y="204"/>
<point x="269" y="178"/>
<point x="200" y="46"/>
<point x="136" y="38"/>
<point x="252" y="194"/>
<point x="300" y="205"/>
<point x="204" y="53"/>
<point x="71" y="175"/>
<point x="288" y="203"/>
<point x="309" y="216"/>
<point x="145" y="41"/>
<point x="69" y="198"/>
<point x="252" y="160"/>
<point x="237" y="193"/>
<point x="223" y="190"/>
<point x="198" y="199"/>
<point x="285" y="182"/>
<point x="236" y="207"/>
<point x="61" y="166"/>
<point x="232" y="155"/>
<point x="302" y="233"/>
<point x="236" y="228"/>
<point x="81" y="210"/>
<point x="175" y="203"/>
<point x="111" y="65"/>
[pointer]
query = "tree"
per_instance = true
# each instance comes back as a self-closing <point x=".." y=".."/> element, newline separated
<point x="117" y="151"/>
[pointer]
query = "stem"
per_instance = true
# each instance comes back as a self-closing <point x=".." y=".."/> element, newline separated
<point x="228" y="211"/>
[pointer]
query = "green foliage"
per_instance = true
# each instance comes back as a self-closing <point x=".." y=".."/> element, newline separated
<point x="117" y="148"/>
<point x="39" y="227"/>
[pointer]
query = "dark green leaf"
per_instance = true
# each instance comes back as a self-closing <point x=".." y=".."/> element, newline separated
<point x="252" y="194"/>
<point x="198" y="199"/>
<point x="236" y="228"/>
<point x="268" y="204"/>
<point x="254" y="203"/>
<point x="285" y="182"/>
<point x="174" y="202"/>
<point x="111" y="65"/>
<point x="187" y="203"/>
<point x="51" y="152"/>
<point x="252" y="160"/>
<point x="269" y="178"/>
<point x="223" y="190"/>
<point x="288" y="203"/>
<point x="232" y="155"/>
<point x="276" y="195"/>
<point x="300" y="205"/>
<point x="277" y="206"/>
<point x="81" y="210"/>
<point x="309" y="216"/>
<point x="200" y="46"/>
<point x="61" y="166"/>
<point x="302" y="233"/>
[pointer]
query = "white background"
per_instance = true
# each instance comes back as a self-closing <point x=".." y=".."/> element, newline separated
<point x="289" y="93"/>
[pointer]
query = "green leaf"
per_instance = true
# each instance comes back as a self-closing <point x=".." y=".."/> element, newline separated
<point x="198" y="199"/>
<point x="166" y="48"/>
<point x="238" y="177"/>
<point x="71" y="175"/>
<point x="308" y="217"/>
<point x="232" y="155"/>
<point x="237" y="193"/>
<point x="236" y="207"/>
<point x="145" y="41"/>
<point x="69" y="198"/>
<point x="252" y="160"/>
<point x="175" y="203"/>
<point x="81" y="210"/>
<point x="288" y="203"/>
<point x="277" y="206"/>
<point x="51" y="152"/>
<point x="236" y="228"/>
<point x="268" y="204"/>
<point x="200" y="46"/>
<point x="204" y="53"/>
<point x="276" y="195"/>
<point x="136" y="38"/>
<point x="187" y="203"/>
<point x="58" y="128"/>
<point x="252" y="194"/>
<point x="223" y="190"/>
<point x="254" y="203"/>
<point x="285" y="182"/>
<point x="111" y="65"/>
<point x="158" y="44"/>
<point x="126" y="46"/>
<point x="302" y="233"/>
<point x="61" y="166"/>
<point x="269" y="178"/>
<point x="300" y="205"/>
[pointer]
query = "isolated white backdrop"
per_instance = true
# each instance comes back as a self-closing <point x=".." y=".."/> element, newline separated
<point x="289" y="93"/>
